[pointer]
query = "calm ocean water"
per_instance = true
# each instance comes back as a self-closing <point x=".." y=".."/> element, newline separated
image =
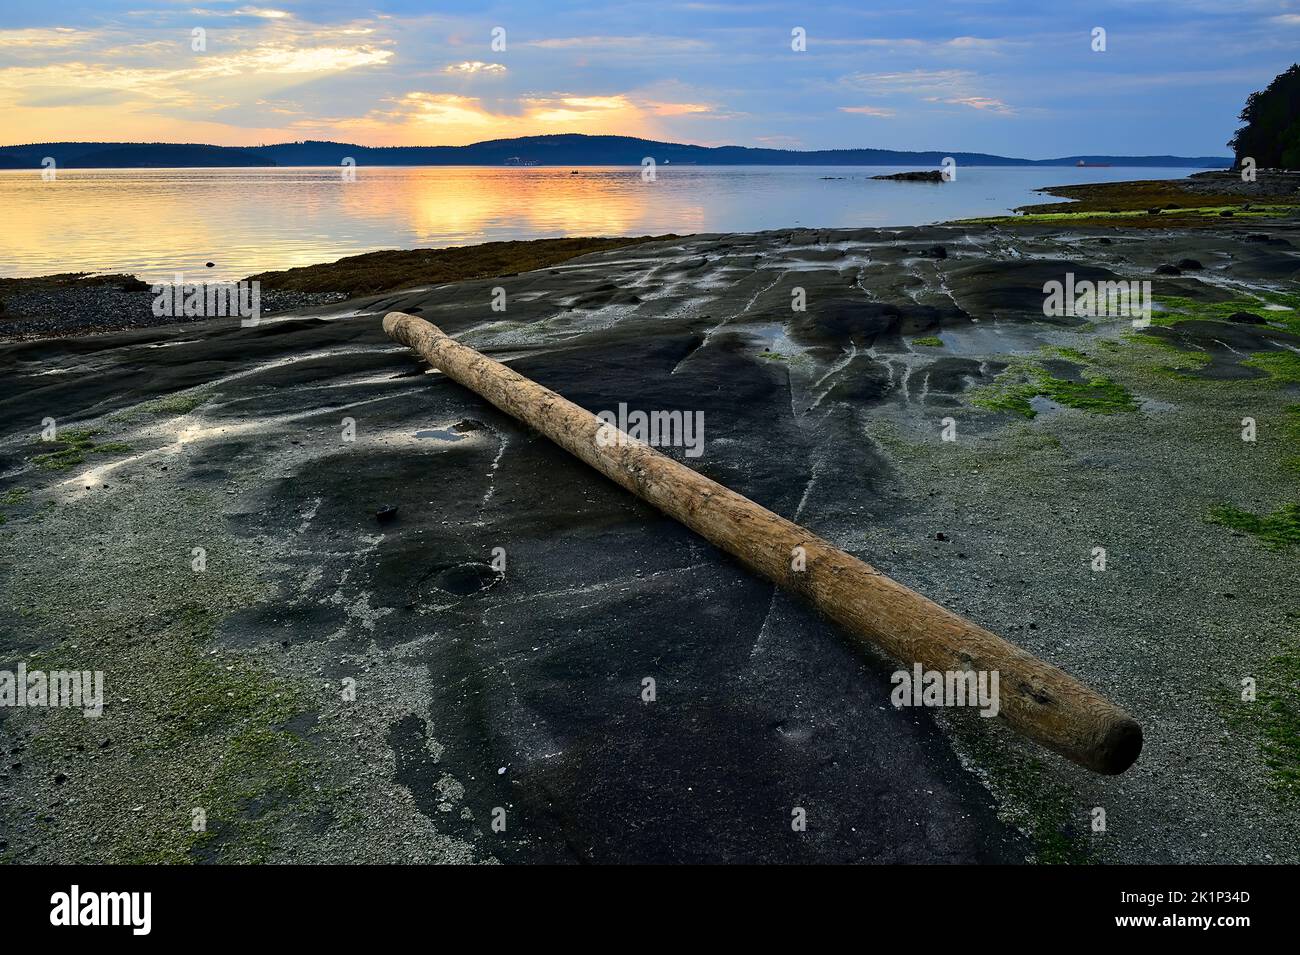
<point x="155" y="222"/>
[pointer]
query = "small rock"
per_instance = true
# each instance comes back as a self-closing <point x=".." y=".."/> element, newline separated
<point x="1190" y="265"/>
<point x="941" y="536"/>
<point x="386" y="513"/>
<point x="1168" y="270"/>
<point x="1246" y="318"/>
<point x="60" y="778"/>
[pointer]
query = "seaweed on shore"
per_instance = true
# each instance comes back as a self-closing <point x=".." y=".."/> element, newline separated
<point x="1022" y="382"/>
<point x="393" y="269"/>
<point x="1279" y="530"/>
<point x="71" y="448"/>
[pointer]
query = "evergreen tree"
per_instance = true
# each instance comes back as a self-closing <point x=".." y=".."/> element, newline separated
<point x="1271" y="135"/>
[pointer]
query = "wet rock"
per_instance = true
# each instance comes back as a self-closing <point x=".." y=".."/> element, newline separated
<point x="1246" y="318"/>
<point x="1190" y="265"/>
<point x="386" y="514"/>
<point x="466" y="579"/>
<point x="1168" y="269"/>
<point x="928" y="175"/>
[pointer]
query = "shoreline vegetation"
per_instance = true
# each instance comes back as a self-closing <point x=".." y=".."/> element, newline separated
<point x="76" y="303"/>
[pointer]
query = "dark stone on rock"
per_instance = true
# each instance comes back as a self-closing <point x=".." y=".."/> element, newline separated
<point x="1227" y="214"/>
<point x="60" y="778"/>
<point x="1246" y="318"/>
<point x="212" y="265"/>
<point x="386" y="513"/>
<point x="1104" y="241"/>
<point x="1168" y="270"/>
<point x="466" y="579"/>
<point x="941" y="536"/>
<point x="928" y="175"/>
<point x="1190" y="265"/>
<point x="936" y="252"/>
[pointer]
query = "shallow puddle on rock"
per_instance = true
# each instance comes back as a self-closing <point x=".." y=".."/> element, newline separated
<point x="439" y="434"/>
<point x="992" y="338"/>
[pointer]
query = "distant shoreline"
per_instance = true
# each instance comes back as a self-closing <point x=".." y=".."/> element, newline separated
<point x="628" y="166"/>
<point x="610" y="165"/>
<point x="568" y="149"/>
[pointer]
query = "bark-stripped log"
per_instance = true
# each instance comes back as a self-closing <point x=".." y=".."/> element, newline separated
<point x="1037" y="699"/>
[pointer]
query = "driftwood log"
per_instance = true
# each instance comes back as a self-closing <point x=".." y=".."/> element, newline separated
<point x="1036" y="699"/>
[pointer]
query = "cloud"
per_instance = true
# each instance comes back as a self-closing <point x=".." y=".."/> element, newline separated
<point x="679" y="109"/>
<point x="470" y="67"/>
<point x="288" y="59"/>
<point x="956" y="87"/>
<point x="423" y="116"/>
<point x="975" y="102"/>
<point x="261" y="13"/>
<point x="959" y="44"/>
<point x="911" y="81"/>
<point x="868" y="110"/>
<point x="646" y="44"/>
<point x="58" y="37"/>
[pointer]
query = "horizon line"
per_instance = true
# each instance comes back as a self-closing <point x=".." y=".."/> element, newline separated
<point x="776" y="149"/>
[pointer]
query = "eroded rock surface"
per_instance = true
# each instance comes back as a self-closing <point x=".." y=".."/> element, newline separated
<point x="276" y="449"/>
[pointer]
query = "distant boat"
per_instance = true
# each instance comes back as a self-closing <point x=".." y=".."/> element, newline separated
<point x="1093" y="165"/>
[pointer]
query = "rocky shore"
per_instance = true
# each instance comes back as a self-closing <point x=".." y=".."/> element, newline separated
<point x="282" y="546"/>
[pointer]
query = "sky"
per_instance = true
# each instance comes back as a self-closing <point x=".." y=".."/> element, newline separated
<point x="1014" y="78"/>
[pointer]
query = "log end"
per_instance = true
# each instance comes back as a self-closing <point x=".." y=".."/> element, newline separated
<point x="1118" y="748"/>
